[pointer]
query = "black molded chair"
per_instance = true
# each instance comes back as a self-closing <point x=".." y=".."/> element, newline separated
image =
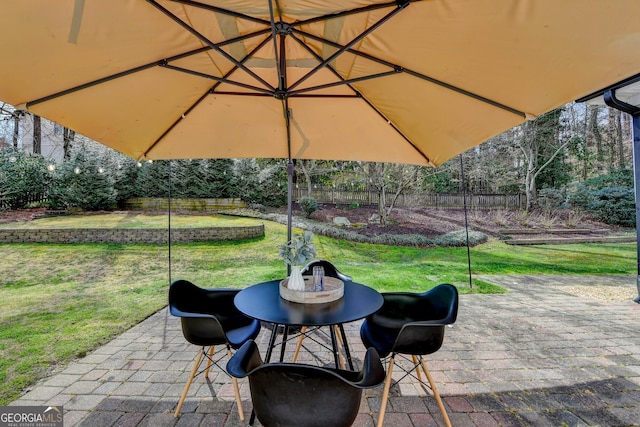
<point x="411" y="324"/>
<point x="300" y="395"/>
<point x="330" y="271"/>
<point x="209" y="318"/>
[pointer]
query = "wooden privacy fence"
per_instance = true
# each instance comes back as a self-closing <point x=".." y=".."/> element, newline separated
<point x="6" y="202"/>
<point x="345" y="196"/>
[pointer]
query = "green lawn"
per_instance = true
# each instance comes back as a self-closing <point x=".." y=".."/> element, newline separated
<point x="61" y="301"/>
<point x="114" y="220"/>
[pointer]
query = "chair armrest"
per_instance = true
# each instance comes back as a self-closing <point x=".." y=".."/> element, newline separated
<point x="179" y="313"/>
<point x="245" y="360"/>
<point x="372" y="372"/>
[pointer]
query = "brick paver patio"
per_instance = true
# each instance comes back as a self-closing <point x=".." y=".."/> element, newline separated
<point x="536" y="356"/>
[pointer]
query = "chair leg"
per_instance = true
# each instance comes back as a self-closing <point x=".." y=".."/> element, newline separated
<point x="211" y="351"/>
<point x="435" y="393"/>
<point x="339" y="335"/>
<point x="236" y="389"/>
<point x="300" y="339"/>
<point x="186" y="387"/>
<point x="385" y="393"/>
<point x="416" y="366"/>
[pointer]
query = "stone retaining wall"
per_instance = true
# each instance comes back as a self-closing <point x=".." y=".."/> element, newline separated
<point x="130" y="235"/>
<point x="162" y="203"/>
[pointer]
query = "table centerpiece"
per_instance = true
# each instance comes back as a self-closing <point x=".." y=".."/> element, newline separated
<point x="297" y="253"/>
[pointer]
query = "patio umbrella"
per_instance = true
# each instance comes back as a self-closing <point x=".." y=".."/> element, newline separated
<point x="405" y="81"/>
<point x="401" y="81"/>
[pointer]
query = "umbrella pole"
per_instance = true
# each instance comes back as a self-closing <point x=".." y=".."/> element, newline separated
<point x="166" y="313"/>
<point x="636" y="185"/>
<point x="613" y="102"/>
<point x="289" y="203"/>
<point x="466" y="222"/>
<point x="169" y="223"/>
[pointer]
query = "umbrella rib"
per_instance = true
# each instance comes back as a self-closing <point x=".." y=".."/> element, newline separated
<point x="400" y="7"/>
<point x="415" y="74"/>
<point x="208" y="42"/>
<point x="319" y="58"/>
<point x="261" y="92"/>
<point x="357" y="94"/>
<point x="280" y="62"/>
<point x="465" y="92"/>
<point x="344" y="13"/>
<point x="246" y="58"/>
<point x="221" y="11"/>
<point x="117" y="76"/>
<point x="175" y="123"/>
<point x="218" y="79"/>
<point x="347" y="82"/>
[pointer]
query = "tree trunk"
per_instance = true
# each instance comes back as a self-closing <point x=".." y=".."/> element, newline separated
<point x="530" y="184"/>
<point x="16" y="129"/>
<point x="594" y="131"/>
<point x="619" y="140"/>
<point x="307" y="169"/>
<point x="382" y="201"/>
<point x="67" y="142"/>
<point x="37" y="135"/>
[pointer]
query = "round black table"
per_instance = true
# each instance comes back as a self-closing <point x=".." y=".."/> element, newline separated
<point x="263" y="302"/>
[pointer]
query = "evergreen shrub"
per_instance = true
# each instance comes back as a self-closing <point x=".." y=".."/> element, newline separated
<point x="308" y="205"/>
<point x="609" y="198"/>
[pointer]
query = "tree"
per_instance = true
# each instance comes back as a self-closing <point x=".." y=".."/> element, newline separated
<point x="153" y="178"/>
<point x="187" y="178"/>
<point x="261" y="181"/>
<point x="307" y="167"/>
<point x="393" y="178"/>
<point x="540" y="143"/>
<point x="218" y="175"/>
<point x="83" y="183"/>
<point x="24" y="177"/>
<point x="126" y="176"/>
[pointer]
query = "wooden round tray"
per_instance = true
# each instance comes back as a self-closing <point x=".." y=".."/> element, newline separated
<point x="333" y="290"/>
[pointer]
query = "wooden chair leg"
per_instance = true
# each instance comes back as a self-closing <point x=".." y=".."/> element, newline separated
<point x="211" y="351"/>
<point x="339" y="335"/>
<point x="385" y="393"/>
<point x="186" y="387"/>
<point x="416" y="367"/>
<point x="435" y="393"/>
<point x="236" y="389"/>
<point x="300" y="339"/>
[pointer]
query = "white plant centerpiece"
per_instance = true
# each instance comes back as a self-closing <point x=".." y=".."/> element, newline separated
<point x="297" y="253"/>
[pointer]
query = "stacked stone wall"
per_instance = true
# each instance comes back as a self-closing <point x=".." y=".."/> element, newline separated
<point x="130" y="235"/>
<point x="162" y="203"/>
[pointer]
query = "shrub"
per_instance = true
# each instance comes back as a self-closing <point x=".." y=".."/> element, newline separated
<point x="308" y="205"/>
<point x="614" y="205"/>
<point x="459" y="238"/>
<point x="550" y="199"/>
<point x="81" y="183"/>
<point x="609" y="198"/>
<point x="24" y="178"/>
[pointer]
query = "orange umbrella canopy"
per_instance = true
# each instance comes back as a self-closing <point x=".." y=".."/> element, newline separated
<point x="405" y="81"/>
